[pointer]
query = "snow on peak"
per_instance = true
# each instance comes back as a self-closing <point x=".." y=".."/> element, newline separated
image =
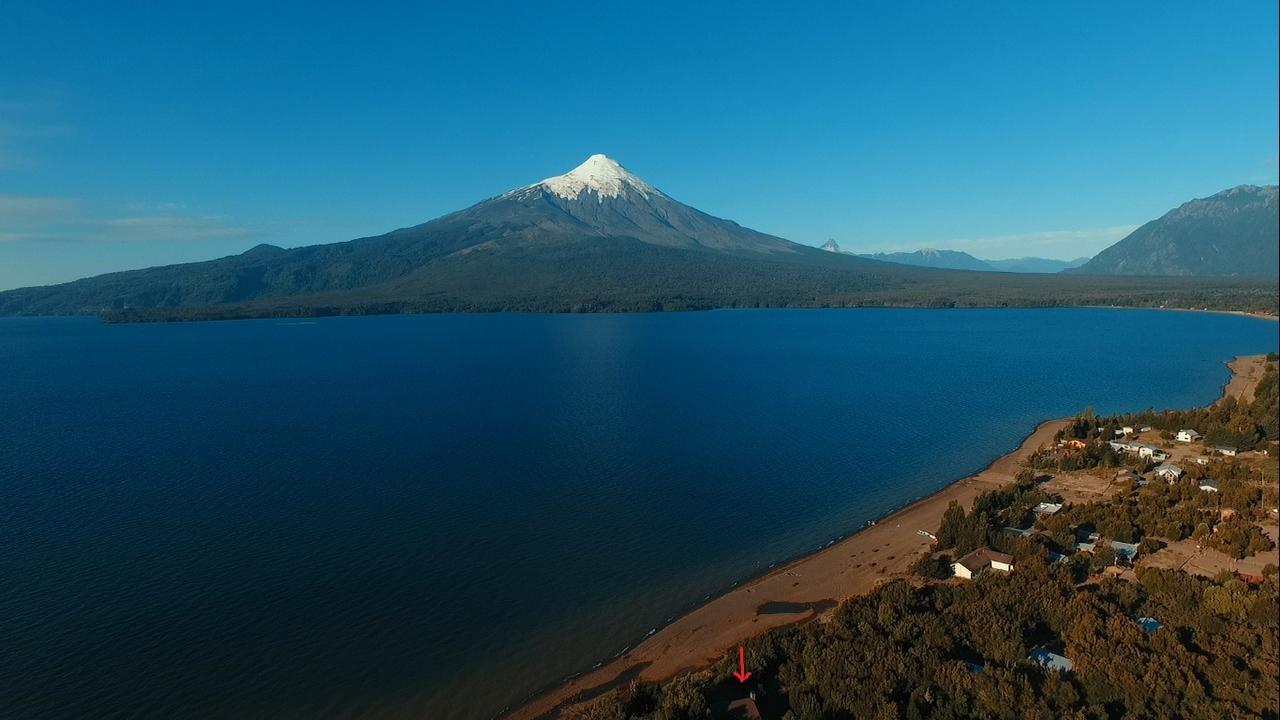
<point x="599" y="174"/>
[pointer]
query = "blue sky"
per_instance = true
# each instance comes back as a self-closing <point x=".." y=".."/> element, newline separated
<point x="136" y="134"/>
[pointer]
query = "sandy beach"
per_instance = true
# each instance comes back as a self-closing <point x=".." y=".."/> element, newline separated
<point x="851" y="567"/>
<point x="814" y="583"/>
<point x="1246" y="371"/>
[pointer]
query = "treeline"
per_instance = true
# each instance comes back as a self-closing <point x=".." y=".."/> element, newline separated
<point x="387" y="276"/>
<point x="1153" y="514"/>
<point x="1245" y="425"/>
<point x="960" y="651"/>
<point x="1170" y="512"/>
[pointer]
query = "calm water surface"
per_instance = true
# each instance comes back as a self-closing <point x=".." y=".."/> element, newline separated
<point x="433" y="516"/>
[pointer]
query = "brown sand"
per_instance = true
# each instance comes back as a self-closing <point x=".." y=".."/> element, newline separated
<point x="848" y="568"/>
<point x="1246" y="371"/>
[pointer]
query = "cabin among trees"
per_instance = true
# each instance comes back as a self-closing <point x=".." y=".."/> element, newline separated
<point x="982" y="559"/>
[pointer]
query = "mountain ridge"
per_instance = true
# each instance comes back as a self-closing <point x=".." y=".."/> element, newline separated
<point x="929" y="257"/>
<point x="1232" y="232"/>
<point x="594" y="239"/>
<point x="960" y="260"/>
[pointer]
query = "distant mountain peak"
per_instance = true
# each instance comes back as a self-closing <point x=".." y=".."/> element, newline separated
<point x="598" y="174"/>
<point x="263" y="249"/>
<point x="831" y="246"/>
<point x="934" y="258"/>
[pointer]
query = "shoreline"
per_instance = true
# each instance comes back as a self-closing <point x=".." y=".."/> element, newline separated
<point x="1257" y="314"/>
<point x="316" y="313"/>
<point x="817" y="581"/>
<point x="812" y="583"/>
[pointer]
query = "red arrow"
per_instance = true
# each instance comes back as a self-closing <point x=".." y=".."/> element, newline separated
<point x="742" y="673"/>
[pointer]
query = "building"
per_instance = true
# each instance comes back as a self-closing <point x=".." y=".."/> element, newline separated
<point x="743" y="709"/>
<point x="1045" y="508"/>
<point x="1169" y="472"/>
<point x="1050" y="660"/>
<point x="1208" y="485"/>
<point x="1153" y="452"/>
<point x="1126" y="553"/>
<point x="1227" y="450"/>
<point x="1144" y="428"/>
<point x="975" y="562"/>
<point x="1075" y="444"/>
<point x="1127" y="475"/>
<point x="1126" y="430"/>
<point x="1125" y="445"/>
<point x="1188" y="436"/>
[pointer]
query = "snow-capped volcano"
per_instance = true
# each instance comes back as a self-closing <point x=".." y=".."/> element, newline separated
<point x="602" y="198"/>
<point x="595" y="237"/>
<point x="598" y="174"/>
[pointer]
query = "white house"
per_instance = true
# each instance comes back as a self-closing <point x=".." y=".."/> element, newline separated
<point x="1208" y="485"/>
<point x="1169" y="472"/>
<point x="1127" y="429"/>
<point x="975" y="562"/>
<point x="1227" y="450"/>
<point x="1188" y="436"/>
<point x="1050" y="660"/>
<point x="1045" y="508"/>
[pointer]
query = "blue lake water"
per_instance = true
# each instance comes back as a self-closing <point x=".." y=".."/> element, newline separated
<point x="433" y="516"/>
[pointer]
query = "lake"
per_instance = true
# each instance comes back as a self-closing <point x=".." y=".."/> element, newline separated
<point x="435" y="516"/>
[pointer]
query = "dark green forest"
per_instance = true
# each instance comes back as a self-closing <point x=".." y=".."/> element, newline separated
<point x="603" y="275"/>
<point x="906" y="652"/>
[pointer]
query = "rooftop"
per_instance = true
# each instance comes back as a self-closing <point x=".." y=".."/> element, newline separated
<point x="743" y="709"/>
<point x="1129" y="550"/>
<point x="1050" y="660"/>
<point x="983" y="557"/>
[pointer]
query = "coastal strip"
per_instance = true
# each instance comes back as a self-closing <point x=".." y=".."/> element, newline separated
<point x="850" y="567"/>
<point x="814" y="583"/>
